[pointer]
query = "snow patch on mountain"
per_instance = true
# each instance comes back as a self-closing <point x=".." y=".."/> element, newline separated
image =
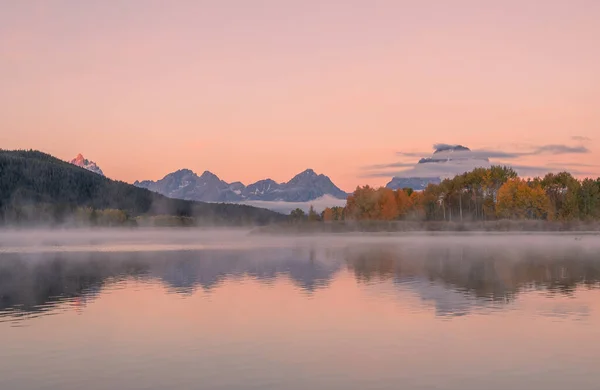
<point x="185" y="184"/>
<point x="82" y="162"/>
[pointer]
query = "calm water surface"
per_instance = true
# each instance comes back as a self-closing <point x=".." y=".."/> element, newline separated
<point x="201" y="310"/>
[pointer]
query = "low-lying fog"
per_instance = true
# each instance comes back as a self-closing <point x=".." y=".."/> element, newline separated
<point x="41" y="268"/>
<point x="15" y="241"/>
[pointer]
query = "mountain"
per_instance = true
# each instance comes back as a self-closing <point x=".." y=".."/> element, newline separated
<point x="308" y="186"/>
<point x="82" y="162"/>
<point x="261" y="189"/>
<point x="446" y="161"/>
<point x="416" y="183"/>
<point x="185" y="184"/>
<point x="35" y="186"/>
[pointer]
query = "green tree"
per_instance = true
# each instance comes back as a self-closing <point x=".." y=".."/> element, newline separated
<point x="409" y="191"/>
<point x="564" y="194"/>
<point x="297" y="215"/>
<point x="589" y="199"/>
<point x="312" y="214"/>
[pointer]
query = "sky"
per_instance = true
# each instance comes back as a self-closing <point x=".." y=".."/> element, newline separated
<point x="268" y="88"/>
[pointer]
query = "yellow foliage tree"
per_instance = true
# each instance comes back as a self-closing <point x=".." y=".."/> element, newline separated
<point x="517" y="199"/>
<point x="363" y="204"/>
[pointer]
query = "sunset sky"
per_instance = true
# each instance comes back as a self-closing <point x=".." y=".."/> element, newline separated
<point x="268" y="88"/>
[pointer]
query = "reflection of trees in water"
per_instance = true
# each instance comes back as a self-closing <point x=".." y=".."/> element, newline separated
<point x="32" y="284"/>
<point x="492" y="273"/>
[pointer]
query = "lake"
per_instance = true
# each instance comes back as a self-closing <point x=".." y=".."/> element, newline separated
<point x="186" y="309"/>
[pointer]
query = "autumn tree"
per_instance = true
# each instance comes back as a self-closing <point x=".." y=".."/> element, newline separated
<point x="431" y="202"/>
<point x="363" y="204"/>
<point x="495" y="177"/>
<point x="338" y="213"/>
<point x="416" y="210"/>
<point x="388" y="207"/>
<point x="404" y="202"/>
<point x="516" y="199"/>
<point x="481" y="194"/>
<point x="327" y="215"/>
<point x="563" y="191"/>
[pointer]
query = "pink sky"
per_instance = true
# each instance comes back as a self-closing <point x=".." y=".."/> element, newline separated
<point x="256" y="89"/>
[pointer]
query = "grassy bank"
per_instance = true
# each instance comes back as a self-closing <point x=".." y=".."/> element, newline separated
<point x="428" y="226"/>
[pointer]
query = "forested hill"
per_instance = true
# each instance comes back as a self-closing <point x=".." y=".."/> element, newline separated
<point x="35" y="185"/>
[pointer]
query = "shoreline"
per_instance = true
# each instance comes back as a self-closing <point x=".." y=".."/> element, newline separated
<point x="500" y="226"/>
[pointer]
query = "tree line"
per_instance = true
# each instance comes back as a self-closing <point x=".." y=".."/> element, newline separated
<point x="483" y="194"/>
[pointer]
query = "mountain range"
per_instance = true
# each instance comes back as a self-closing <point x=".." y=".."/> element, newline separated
<point x="307" y="186"/>
<point x="208" y="187"/>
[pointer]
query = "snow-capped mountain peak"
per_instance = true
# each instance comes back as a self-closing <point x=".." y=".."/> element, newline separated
<point x="305" y="186"/>
<point x="82" y="162"/>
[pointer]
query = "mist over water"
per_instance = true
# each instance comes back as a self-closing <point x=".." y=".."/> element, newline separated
<point x="225" y="309"/>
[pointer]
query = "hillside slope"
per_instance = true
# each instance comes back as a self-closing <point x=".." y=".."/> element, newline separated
<point x="31" y="181"/>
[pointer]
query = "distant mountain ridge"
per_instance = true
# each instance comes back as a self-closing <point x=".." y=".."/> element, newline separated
<point x="415" y="183"/>
<point x="185" y="184"/>
<point x="82" y="162"/>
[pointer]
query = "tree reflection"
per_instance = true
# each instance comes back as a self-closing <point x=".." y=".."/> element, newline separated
<point x="495" y="275"/>
<point x="31" y="284"/>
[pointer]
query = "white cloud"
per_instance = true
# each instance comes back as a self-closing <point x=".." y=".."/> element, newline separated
<point x="461" y="161"/>
<point x="318" y="204"/>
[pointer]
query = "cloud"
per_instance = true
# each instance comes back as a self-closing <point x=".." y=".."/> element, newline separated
<point x="412" y="154"/>
<point x="571" y="164"/>
<point x="391" y="165"/>
<point x="554" y="149"/>
<point x="561" y="149"/>
<point x="450" y="169"/>
<point x="444" y="169"/>
<point x="580" y="138"/>
<point x="318" y="204"/>
<point x="540" y="170"/>
<point x="444" y="146"/>
<point x="458" y="162"/>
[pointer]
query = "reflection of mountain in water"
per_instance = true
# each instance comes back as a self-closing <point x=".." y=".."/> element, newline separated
<point x="188" y="270"/>
<point x="457" y="279"/>
<point x="35" y="283"/>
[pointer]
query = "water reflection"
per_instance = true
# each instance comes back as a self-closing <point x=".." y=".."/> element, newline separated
<point x="497" y="275"/>
<point x="456" y="278"/>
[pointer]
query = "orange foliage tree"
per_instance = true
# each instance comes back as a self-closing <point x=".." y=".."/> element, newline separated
<point x="327" y="215"/>
<point x="388" y="205"/>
